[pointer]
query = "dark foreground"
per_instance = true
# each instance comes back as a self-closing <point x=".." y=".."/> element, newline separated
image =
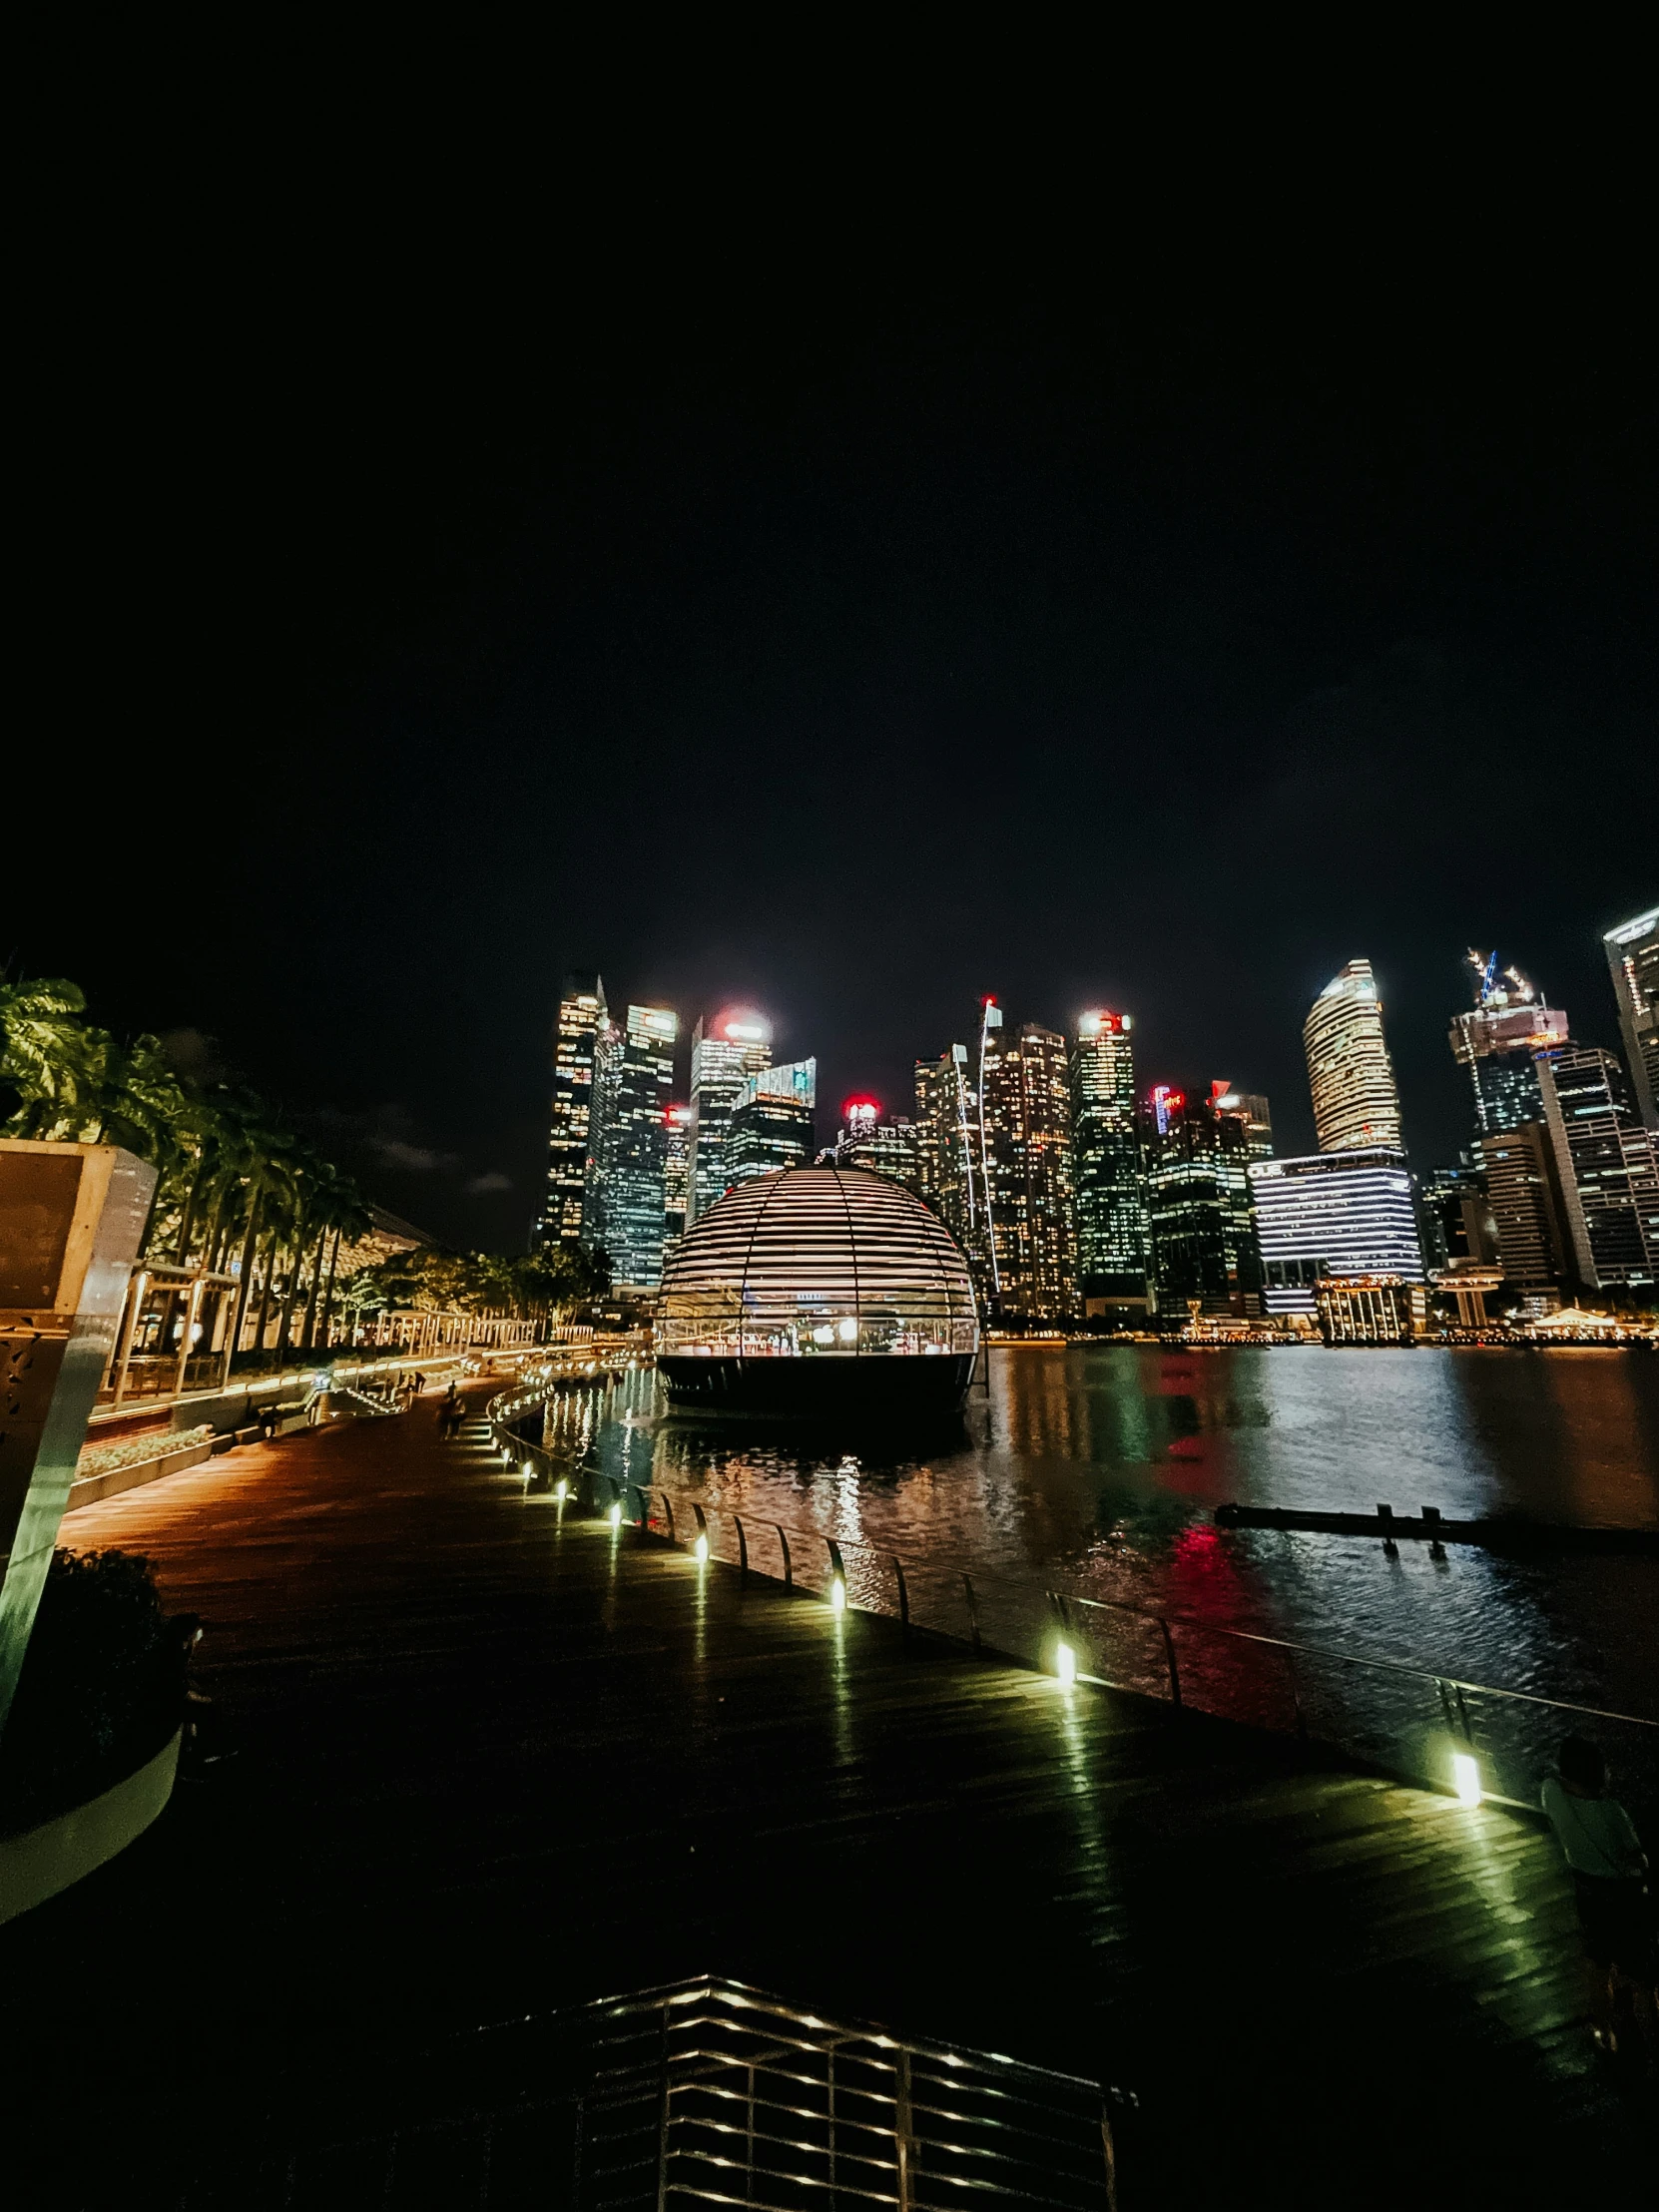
<point x="493" y="1761"/>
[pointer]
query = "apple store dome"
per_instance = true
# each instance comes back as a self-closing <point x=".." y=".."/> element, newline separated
<point x="814" y="1291"/>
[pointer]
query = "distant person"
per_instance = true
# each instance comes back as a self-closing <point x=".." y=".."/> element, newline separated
<point x="1609" y="1872"/>
<point x="450" y="1413"/>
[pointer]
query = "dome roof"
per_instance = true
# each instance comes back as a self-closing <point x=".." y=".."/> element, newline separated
<point x="815" y="1261"/>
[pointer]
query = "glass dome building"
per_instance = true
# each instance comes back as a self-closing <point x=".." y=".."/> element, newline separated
<point x="818" y="1290"/>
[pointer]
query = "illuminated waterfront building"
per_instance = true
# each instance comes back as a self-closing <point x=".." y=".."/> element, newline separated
<point x="1026" y="1093"/>
<point x="771" y="1125"/>
<point x="885" y="1147"/>
<point x="1633" y="958"/>
<point x="628" y="1144"/>
<point x="1607" y="1163"/>
<point x="581" y="1017"/>
<point x="1333" y="1213"/>
<point x="1529" y="1216"/>
<point x="1199" y="1206"/>
<point x="1497" y="1040"/>
<point x="822" y="1291"/>
<point x="726" y="1053"/>
<point x="1356" y="1104"/>
<point x="1111" y="1195"/>
<point x="677" y="1128"/>
<point x="1371" y="1309"/>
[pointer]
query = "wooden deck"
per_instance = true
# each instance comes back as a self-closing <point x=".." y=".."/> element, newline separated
<point x="494" y="1759"/>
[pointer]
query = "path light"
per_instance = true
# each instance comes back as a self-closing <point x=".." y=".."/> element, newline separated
<point x="838" y="1594"/>
<point x="700" y="1550"/>
<point x="1065" y="1664"/>
<point x="506" y="1455"/>
<point x="614" y="1517"/>
<point x="1465" y="1778"/>
<point x="560" y="1492"/>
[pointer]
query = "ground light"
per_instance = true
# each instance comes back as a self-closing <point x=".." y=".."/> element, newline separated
<point x="837" y="1595"/>
<point x="559" y="1492"/>
<point x="1465" y="1777"/>
<point x="1065" y="1663"/>
<point x="614" y="1517"/>
<point x="699" y="1552"/>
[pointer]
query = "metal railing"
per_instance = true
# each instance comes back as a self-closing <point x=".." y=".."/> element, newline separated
<point x="702" y="2093"/>
<point x="1412" y="1722"/>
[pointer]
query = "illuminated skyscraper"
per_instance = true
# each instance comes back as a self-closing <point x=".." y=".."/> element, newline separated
<point x="947" y="1151"/>
<point x="1525" y="1200"/>
<point x="887" y="1148"/>
<point x="1496" y="1041"/>
<point x="770" y="1124"/>
<point x="1356" y="1104"/>
<point x="1607" y="1165"/>
<point x="1198" y="1201"/>
<point x="581" y="1017"/>
<point x="1111" y="1200"/>
<point x="726" y="1051"/>
<point x="628" y="1148"/>
<point x="1027" y="1133"/>
<point x="1252" y="1110"/>
<point x="677" y="1128"/>
<point x="1332" y="1214"/>
<point x="1633" y="958"/>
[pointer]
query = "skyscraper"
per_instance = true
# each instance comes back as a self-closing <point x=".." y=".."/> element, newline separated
<point x="632" y="1077"/>
<point x="1496" y="1041"/>
<point x="677" y="1128"/>
<point x="770" y="1124"/>
<point x="1026" y="1107"/>
<point x="1356" y="1104"/>
<point x="1332" y="1214"/>
<point x="1607" y="1166"/>
<point x="581" y="1017"/>
<point x="1199" y="1205"/>
<point x="887" y="1148"/>
<point x="947" y="1151"/>
<point x="1526" y="1199"/>
<point x="1633" y="958"/>
<point x="1110" y="1173"/>
<point x="1252" y="1109"/>
<point x="726" y="1051"/>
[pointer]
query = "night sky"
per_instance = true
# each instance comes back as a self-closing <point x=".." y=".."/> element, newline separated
<point x="850" y="632"/>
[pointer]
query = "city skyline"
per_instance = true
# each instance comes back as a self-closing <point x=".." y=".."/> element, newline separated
<point x="1079" y="1191"/>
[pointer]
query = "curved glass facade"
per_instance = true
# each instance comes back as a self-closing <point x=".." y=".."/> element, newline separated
<point x="818" y="1262"/>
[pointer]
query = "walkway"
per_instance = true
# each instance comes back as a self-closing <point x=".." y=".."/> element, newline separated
<point x="495" y="1760"/>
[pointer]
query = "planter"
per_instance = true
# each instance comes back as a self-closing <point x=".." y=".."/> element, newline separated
<point x="40" y="1861"/>
<point x="113" y="1481"/>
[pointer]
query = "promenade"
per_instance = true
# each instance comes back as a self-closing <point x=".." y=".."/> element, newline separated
<point x="495" y="1758"/>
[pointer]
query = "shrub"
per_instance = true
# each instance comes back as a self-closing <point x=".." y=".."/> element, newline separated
<point x="99" y="1689"/>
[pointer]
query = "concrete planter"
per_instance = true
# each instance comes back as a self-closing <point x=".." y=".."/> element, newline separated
<point x="41" y="1860"/>
<point x="113" y="1481"/>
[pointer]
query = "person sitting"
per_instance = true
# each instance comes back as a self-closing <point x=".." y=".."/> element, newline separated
<point x="1609" y="1870"/>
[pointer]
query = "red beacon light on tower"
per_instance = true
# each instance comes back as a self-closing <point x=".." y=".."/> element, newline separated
<point x="861" y="1115"/>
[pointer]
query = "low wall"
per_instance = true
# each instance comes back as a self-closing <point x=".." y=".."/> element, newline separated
<point x="41" y="1860"/>
<point x="90" y="1488"/>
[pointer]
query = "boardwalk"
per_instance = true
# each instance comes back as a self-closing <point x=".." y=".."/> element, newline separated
<point x="495" y="1759"/>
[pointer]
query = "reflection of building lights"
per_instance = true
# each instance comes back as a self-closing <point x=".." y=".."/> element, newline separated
<point x="1065" y="1663"/>
<point x="1465" y="1777"/>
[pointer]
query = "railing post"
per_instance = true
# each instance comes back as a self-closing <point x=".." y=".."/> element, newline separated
<point x="1174" y="1670"/>
<point x="788" y="1569"/>
<point x="742" y="1549"/>
<point x="837" y="1570"/>
<point x="1296" y="1697"/>
<point x="668" y="1508"/>
<point x="973" y="1610"/>
<point x="902" y="2127"/>
<point x="904" y="1595"/>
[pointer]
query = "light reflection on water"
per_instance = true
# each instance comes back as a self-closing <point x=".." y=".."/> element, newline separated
<point x="1101" y="1465"/>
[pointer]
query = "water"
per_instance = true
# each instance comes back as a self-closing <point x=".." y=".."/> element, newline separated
<point x="1097" y="1468"/>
